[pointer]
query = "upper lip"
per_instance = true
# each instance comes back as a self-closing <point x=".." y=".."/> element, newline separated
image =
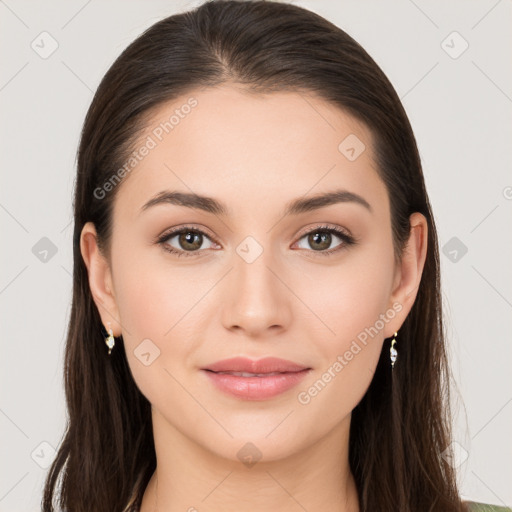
<point x="265" y="365"/>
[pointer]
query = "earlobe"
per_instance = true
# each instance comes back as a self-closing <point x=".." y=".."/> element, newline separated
<point x="411" y="267"/>
<point x="100" y="278"/>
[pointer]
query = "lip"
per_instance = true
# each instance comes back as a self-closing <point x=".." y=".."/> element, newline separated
<point x="265" y="365"/>
<point x="255" y="388"/>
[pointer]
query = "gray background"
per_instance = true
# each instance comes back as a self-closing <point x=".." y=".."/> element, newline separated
<point x="459" y="105"/>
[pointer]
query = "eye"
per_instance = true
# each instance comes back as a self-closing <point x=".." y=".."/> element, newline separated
<point x="189" y="240"/>
<point x="321" y="237"/>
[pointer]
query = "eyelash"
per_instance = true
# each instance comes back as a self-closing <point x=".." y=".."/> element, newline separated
<point x="347" y="239"/>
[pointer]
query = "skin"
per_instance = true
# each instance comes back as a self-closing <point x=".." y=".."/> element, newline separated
<point x="254" y="153"/>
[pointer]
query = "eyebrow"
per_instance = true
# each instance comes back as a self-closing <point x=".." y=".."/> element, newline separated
<point x="295" y="207"/>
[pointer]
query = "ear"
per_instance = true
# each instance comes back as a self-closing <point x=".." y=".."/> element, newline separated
<point x="408" y="272"/>
<point x="100" y="279"/>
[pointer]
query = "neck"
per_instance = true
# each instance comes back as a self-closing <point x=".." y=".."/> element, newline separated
<point x="190" y="478"/>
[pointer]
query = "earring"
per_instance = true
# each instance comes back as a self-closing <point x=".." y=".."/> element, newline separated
<point x="110" y="340"/>
<point x="393" y="353"/>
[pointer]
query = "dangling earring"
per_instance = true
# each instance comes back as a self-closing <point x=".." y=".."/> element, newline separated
<point x="393" y="354"/>
<point x="110" y="340"/>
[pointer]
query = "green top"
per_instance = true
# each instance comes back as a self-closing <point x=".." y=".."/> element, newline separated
<point x="483" y="507"/>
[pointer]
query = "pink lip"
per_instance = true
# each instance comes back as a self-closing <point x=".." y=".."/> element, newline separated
<point x="265" y="365"/>
<point x="256" y="388"/>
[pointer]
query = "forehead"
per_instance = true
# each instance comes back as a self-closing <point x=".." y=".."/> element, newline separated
<point x="250" y="149"/>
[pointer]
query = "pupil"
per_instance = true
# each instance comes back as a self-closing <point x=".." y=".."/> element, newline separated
<point x="187" y="240"/>
<point x="323" y="239"/>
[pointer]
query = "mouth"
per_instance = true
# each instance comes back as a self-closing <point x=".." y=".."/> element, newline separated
<point x="255" y="386"/>
<point x="248" y="374"/>
<point x="261" y="367"/>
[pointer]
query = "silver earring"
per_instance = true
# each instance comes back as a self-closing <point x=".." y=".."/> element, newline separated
<point x="110" y="342"/>
<point x="393" y="353"/>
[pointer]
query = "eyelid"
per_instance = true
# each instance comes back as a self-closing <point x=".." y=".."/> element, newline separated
<point x="187" y="227"/>
<point x="324" y="226"/>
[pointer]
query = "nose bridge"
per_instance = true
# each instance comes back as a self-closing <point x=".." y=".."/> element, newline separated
<point x="256" y="296"/>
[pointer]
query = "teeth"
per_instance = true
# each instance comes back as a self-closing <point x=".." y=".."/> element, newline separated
<point x="246" y="374"/>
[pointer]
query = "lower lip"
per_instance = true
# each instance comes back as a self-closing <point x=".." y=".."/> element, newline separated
<point x="256" y="388"/>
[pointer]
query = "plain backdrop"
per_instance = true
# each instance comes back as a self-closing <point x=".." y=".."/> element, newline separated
<point x="450" y="63"/>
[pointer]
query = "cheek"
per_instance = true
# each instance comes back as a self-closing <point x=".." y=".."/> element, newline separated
<point x="152" y="306"/>
<point x="349" y="297"/>
<point x="348" y="351"/>
<point x="163" y="304"/>
<point x="143" y="300"/>
<point x="351" y="305"/>
<point x="152" y="293"/>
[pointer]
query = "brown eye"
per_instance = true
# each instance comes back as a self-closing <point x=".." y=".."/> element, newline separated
<point x="185" y="241"/>
<point x="190" y="240"/>
<point x="321" y="238"/>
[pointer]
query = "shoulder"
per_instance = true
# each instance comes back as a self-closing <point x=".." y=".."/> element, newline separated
<point x="474" y="506"/>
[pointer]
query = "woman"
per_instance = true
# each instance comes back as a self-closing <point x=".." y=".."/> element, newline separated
<point x="256" y="320"/>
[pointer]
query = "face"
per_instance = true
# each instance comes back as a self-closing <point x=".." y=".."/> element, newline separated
<point x="317" y="285"/>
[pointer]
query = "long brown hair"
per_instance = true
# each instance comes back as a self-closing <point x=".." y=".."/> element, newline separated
<point x="401" y="429"/>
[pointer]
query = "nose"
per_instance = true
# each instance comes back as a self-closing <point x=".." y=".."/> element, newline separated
<point x="257" y="302"/>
